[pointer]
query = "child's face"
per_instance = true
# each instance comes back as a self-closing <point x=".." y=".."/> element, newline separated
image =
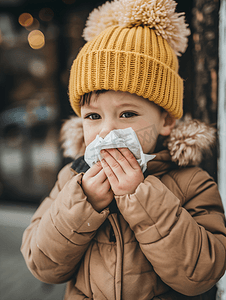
<point x="119" y="110"/>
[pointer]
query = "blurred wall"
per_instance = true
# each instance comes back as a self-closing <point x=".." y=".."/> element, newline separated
<point x="38" y="41"/>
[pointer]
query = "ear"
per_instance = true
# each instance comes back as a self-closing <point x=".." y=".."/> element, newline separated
<point x="168" y="124"/>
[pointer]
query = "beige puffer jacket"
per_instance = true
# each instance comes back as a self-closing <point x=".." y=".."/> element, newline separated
<point x="165" y="240"/>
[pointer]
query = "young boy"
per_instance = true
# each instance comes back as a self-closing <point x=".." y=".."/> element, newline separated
<point x="110" y="230"/>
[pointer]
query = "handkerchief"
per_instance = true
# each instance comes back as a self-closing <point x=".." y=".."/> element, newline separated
<point x="118" y="138"/>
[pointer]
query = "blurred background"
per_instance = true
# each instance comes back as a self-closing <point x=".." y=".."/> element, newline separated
<point x="38" y="43"/>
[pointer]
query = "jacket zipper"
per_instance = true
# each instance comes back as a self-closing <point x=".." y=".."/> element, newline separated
<point x="117" y="236"/>
<point x="112" y="237"/>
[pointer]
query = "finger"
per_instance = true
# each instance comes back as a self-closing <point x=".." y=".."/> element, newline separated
<point x="94" y="170"/>
<point x="101" y="176"/>
<point x="122" y="159"/>
<point x="114" y="158"/>
<point x="129" y="157"/>
<point x="106" y="185"/>
<point x="109" y="173"/>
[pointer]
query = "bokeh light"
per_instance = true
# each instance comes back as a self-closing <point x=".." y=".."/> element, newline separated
<point x="36" y="39"/>
<point x="25" y="19"/>
<point x="34" y="25"/>
<point x="37" y="68"/>
<point x="46" y="14"/>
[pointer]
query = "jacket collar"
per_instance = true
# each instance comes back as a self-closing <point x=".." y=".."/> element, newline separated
<point x="161" y="164"/>
<point x="79" y="165"/>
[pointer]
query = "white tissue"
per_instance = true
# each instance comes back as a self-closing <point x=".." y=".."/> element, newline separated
<point x="120" y="138"/>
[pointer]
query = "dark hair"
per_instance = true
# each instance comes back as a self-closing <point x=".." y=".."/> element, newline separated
<point x="85" y="99"/>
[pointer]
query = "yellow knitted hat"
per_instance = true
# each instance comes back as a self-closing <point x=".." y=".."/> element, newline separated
<point x="132" y="56"/>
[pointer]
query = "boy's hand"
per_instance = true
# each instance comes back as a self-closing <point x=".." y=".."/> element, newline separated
<point x="97" y="188"/>
<point x="122" y="170"/>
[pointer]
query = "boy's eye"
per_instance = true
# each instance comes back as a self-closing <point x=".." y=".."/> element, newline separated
<point x="93" y="117"/>
<point x="128" y="114"/>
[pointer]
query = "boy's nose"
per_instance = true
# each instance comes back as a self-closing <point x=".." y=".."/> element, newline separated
<point x="107" y="127"/>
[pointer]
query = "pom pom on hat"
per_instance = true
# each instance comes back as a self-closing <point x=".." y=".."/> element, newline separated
<point x="158" y="15"/>
<point x="99" y="19"/>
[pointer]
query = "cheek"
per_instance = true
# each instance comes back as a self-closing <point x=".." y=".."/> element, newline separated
<point x="147" y="135"/>
<point x="89" y="134"/>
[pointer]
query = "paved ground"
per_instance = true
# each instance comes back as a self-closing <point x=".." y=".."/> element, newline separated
<point x="16" y="282"/>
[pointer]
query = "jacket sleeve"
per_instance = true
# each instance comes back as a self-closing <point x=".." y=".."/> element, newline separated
<point x="184" y="239"/>
<point x="60" y="231"/>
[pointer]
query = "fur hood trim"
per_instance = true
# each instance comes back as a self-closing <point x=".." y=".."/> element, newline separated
<point x="72" y="138"/>
<point x="188" y="142"/>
